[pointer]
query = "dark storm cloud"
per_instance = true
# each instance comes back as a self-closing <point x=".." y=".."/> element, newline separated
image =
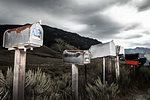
<point x="100" y="26"/>
<point x="131" y="26"/>
<point x="132" y="37"/>
<point x="63" y="7"/>
<point x="140" y="44"/>
<point x="146" y="32"/>
<point x="57" y="12"/>
<point x="144" y="5"/>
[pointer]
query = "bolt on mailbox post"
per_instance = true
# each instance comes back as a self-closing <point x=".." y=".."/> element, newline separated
<point x="76" y="57"/>
<point x="101" y="51"/>
<point x="20" y="39"/>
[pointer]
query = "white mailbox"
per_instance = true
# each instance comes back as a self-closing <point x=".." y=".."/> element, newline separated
<point x="103" y="50"/>
<point x="76" y="56"/>
<point x="119" y="50"/>
<point x="27" y="36"/>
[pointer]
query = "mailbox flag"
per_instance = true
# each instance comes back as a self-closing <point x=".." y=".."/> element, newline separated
<point x="132" y="63"/>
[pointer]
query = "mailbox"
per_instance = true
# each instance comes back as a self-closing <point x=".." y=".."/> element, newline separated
<point x="147" y="56"/>
<point x="76" y="56"/>
<point x="119" y="50"/>
<point x="131" y="57"/>
<point x="103" y="50"/>
<point x="27" y="36"/>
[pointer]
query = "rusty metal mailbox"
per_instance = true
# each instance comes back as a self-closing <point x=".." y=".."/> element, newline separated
<point x="27" y="36"/>
<point x="76" y="56"/>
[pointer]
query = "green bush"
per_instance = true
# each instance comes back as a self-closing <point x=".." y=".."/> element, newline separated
<point x="98" y="91"/>
<point x="38" y="86"/>
<point x="142" y="78"/>
<point x="124" y="80"/>
<point x="6" y="85"/>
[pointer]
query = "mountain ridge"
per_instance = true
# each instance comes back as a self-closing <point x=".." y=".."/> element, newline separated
<point x="55" y="42"/>
<point x="51" y="33"/>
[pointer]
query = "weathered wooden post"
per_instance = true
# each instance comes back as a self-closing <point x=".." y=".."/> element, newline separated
<point x="117" y="67"/>
<point x="19" y="74"/>
<point x="75" y="82"/>
<point x="76" y="57"/>
<point x="101" y="51"/>
<point x="104" y="70"/>
<point x="109" y="69"/>
<point x="109" y="65"/>
<point x="119" y="51"/>
<point x="85" y="81"/>
<point x="20" y="39"/>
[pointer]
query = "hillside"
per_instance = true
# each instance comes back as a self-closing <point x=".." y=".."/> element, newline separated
<point x="50" y="34"/>
<point x="55" y="41"/>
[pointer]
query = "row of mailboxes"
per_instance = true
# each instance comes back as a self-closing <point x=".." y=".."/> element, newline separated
<point x="25" y="36"/>
<point x="32" y="36"/>
<point x="96" y="51"/>
<point x="76" y="56"/>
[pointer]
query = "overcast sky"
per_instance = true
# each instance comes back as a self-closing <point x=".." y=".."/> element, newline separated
<point x="127" y="22"/>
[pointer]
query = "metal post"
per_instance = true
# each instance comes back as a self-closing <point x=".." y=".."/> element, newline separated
<point x="19" y="74"/>
<point x="74" y="82"/>
<point x="104" y="70"/>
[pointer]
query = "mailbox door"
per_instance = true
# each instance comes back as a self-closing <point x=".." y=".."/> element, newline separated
<point x="87" y="57"/>
<point x="73" y="58"/>
<point x="36" y="34"/>
<point x="112" y="49"/>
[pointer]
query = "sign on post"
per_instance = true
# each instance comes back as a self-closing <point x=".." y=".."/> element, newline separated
<point x="76" y="57"/>
<point x="20" y="39"/>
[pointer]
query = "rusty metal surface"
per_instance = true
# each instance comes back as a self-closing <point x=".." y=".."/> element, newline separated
<point x="76" y="56"/>
<point x="29" y="35"/>
<point x="19" y="30"/>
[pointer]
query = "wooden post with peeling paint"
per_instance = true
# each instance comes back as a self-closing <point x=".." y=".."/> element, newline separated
<point x="19" y="74"/>
<point x="74" y="82"/>
<point x="104" y="70"/>
<point x="109" y="70"/>
<point x="117" y="69"/>
<point x="85" y="81"/>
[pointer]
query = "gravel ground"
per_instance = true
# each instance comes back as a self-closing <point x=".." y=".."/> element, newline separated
<point x="141" y="95"/>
